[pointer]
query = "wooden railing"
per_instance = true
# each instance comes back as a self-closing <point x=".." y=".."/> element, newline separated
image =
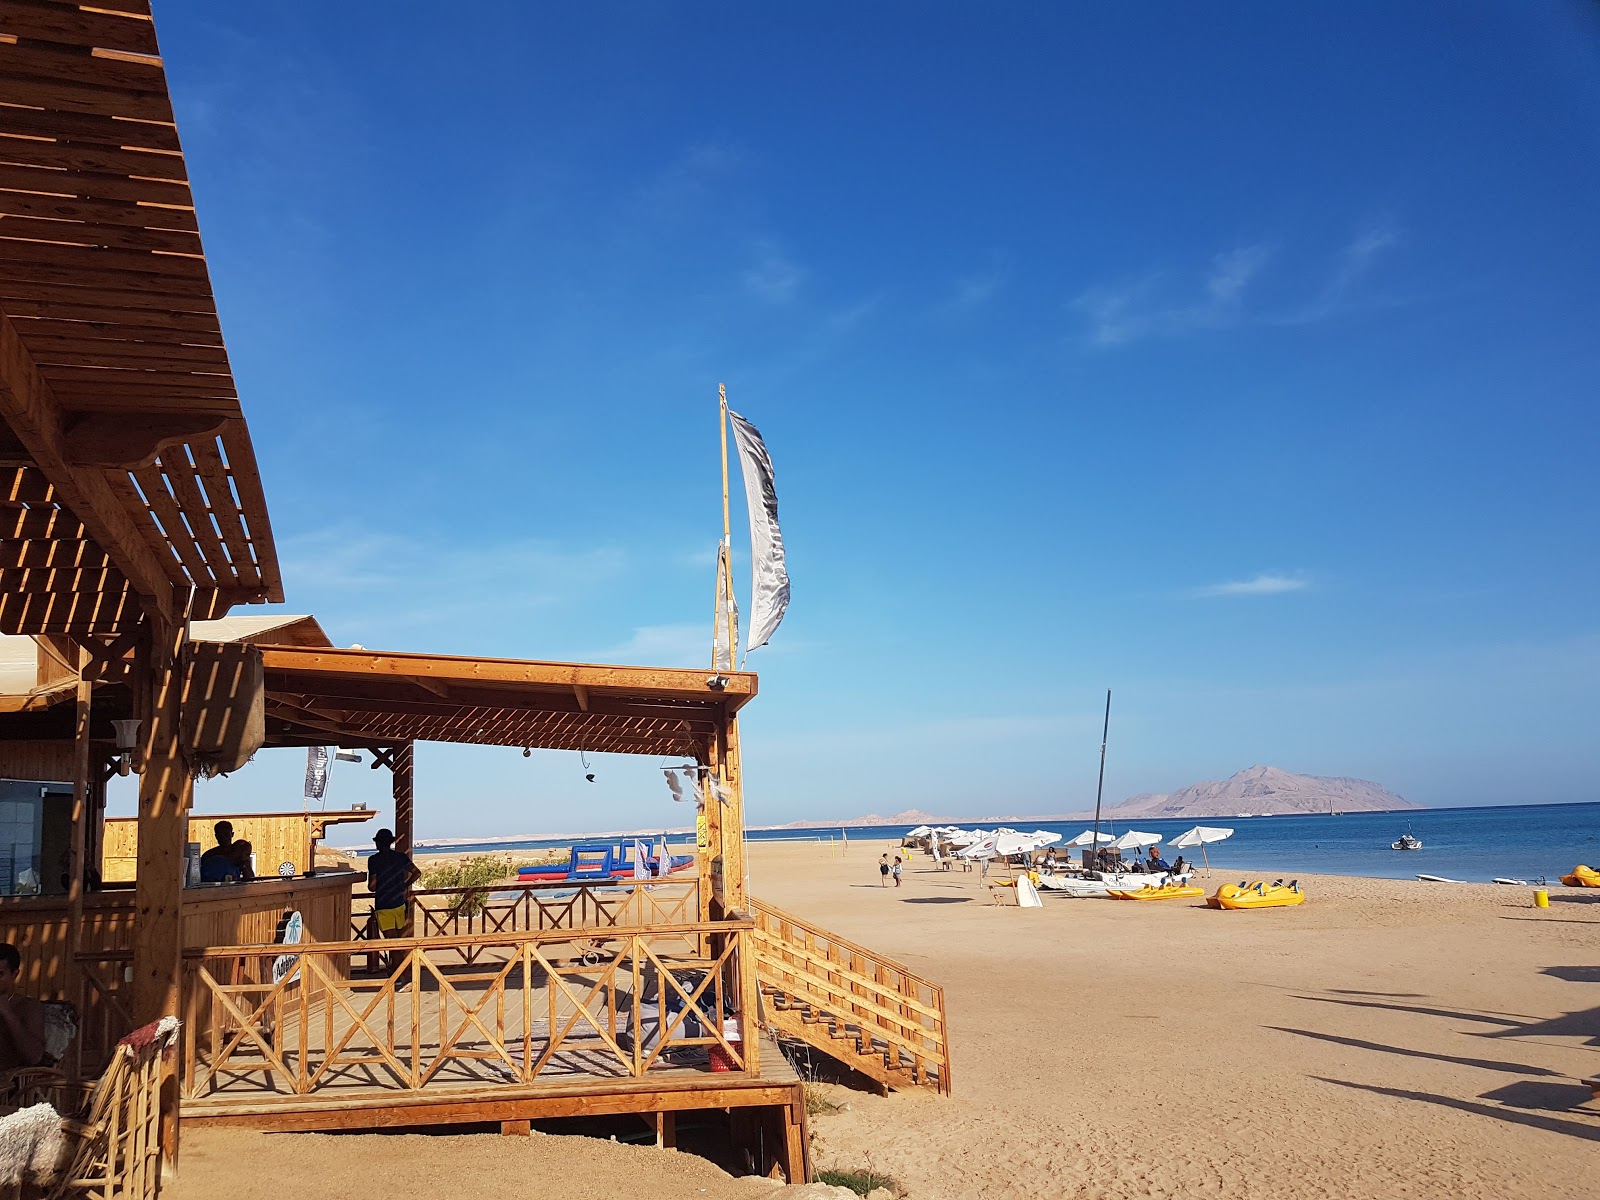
<point x="530" y="907"/>
<point x="531" y="1008"/>
<point x="871" y="1011"/>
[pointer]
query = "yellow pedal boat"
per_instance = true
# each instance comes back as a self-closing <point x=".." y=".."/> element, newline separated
<point x="1582" y="876"/>
<point x="1257" y="895"/>
<point x="1172" y="891"/>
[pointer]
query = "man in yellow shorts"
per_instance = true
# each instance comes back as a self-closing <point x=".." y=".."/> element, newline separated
<point x="390" y="875"/>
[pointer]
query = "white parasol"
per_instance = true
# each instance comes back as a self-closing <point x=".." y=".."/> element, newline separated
<point x="919" y="831"/>
<point x="1134" y="840"/>
<point x="1089" y="835"/>
<point x="1202" y="836"/>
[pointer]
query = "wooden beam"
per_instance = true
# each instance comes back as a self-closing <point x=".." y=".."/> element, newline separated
<point x="166" y="791"/>
<point x="581" y="693"/>
<point x="663" y="681"/>
<point x="404" y="795"/>
<point x="29" y="406"/>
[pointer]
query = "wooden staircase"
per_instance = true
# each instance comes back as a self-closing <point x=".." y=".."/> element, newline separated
<point x="869" y="1012"/>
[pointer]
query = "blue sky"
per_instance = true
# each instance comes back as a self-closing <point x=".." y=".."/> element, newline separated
<point x="1240" y="359"/>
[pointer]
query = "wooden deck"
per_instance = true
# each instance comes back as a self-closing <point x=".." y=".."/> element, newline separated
<point x="502" y="1027"/>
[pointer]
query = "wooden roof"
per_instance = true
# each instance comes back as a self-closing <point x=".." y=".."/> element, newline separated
<point x="126" y="468"/>
<point x="368" y="698"/>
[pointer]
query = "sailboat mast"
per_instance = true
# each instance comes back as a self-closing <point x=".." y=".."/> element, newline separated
<point x="727" y="535"/>
<point x="1099" y="789"/>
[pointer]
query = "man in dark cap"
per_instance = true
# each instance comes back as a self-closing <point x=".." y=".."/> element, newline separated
<point x="390" y="875"/>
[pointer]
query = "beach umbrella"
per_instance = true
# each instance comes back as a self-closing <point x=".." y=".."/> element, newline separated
<point x="1005" y="843"/>
<point x="1043" y="837"/>
<point x="919" y="831"/>
<point x="1088" y="836"/>
<point x="1134" y="840"/>
<point x="1202" y="836"/>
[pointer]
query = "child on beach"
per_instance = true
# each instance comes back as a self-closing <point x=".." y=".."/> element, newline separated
<point x="897" y="870"/>
<point x="883" y="870"/>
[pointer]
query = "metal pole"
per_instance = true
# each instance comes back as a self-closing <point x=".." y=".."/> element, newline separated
<point x="1099" y="790"/>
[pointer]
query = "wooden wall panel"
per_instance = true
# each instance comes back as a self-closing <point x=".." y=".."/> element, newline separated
<point x="276" y="837"/>
<point x="48" y="761"/>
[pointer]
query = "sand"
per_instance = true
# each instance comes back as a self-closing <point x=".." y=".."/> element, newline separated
<point x="1388" y="1038"/>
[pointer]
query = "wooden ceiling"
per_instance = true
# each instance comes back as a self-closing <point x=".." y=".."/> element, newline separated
<point x="126" y="468"/>
<point x="365" y="698"/>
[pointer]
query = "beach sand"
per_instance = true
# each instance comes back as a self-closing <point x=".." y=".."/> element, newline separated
<point x="1388" y="1038"/>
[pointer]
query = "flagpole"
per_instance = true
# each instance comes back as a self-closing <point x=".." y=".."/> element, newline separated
<point x="725" y="554"/>
<point x="1094" y="843"/>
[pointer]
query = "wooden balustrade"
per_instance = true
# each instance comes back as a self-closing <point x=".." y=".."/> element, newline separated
<point x="865" y="1008"/>
<point x="528" y="1008"/>
<point x="530" y="907"/>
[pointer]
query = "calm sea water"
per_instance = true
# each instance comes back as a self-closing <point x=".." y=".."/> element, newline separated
<point x="1521" y="841"/>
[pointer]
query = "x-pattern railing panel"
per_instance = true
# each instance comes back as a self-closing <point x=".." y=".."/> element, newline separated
<point x="539" y="1006"/>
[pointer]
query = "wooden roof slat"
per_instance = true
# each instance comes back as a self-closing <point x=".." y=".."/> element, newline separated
<point x="139" y="78"/>
<point x="62" y="579"/>
<point x="170" y="516"/>
<point x="98" y="212"/>
<point x="118" y="237"/>
<point x="30" y="523"/>
<point x="181" y="274"/>
<point x="53" y="351"/>
<point x="28" y="288"/>
<point x="118" y="132"/>
<point x="231" y="521"/>
<point x="64" y="552"/>
<point x="24" y="79"/>
<point x="57" y="612"/>
<point x="30" y="314"/>
<point x="148" y="379"/>
<point x="95" y="186"/>
<point x="73" y="156"/>
<point x="95" y="336"/>
<point x="239" y="455"/>
<point x="54" y="22"/>
<point x="20" y="484"/>
<point x="180" y="475"/>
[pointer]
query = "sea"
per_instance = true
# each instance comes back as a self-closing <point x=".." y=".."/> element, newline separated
<point x="1474" y="845"/>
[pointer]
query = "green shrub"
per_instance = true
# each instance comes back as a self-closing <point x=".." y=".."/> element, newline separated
<point x="859" y="1182"/>
<point x="472" y="875"/>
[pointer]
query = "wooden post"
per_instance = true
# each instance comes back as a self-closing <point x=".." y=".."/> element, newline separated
<point x="166" y="791"/>
<point x="711" y="864"/>
<point x="76" y="864"/>
<point x="731" y="829"/>
<point x="404" y="782"/>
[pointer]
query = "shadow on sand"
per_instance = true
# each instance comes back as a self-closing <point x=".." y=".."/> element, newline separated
<point x="1487" y="1064"/>
<point x="1589" y="1133"/>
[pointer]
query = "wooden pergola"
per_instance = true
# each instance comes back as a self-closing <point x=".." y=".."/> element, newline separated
<point x="130" y="501"/>
<point x="386" y="702"/>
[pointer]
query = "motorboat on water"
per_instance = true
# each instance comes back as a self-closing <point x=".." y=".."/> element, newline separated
<point x="1406" y="842"/>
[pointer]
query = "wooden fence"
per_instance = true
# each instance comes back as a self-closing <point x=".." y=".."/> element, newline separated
<point x="871" y="1011"/>
<point x="528" y="1008"/>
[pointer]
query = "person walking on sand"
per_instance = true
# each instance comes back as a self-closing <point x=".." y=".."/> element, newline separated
<point x="897" y="870"/>
<point x="883" y="870"/>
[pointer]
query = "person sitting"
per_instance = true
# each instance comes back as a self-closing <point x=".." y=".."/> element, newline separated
<point x="21" y="1018"/>
<point x="1179" y="866"/>
<point x="1156" y="863"/>
<point x="223" y="862"/>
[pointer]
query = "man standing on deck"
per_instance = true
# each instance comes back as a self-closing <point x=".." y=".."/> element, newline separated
<point x="390" y="875"/>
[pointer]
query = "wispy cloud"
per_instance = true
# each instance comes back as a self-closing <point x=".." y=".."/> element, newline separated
<point x="1135" y="312"/>
<point x="977" y="289"/>
<point x="1155" y="307"/>
<point x="1261" y="585"/>
<point x="377" y="585"/>
<point x="686" y="645"/>
<point x="774" y="276"/>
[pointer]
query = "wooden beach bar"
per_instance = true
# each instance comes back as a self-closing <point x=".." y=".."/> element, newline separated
<point x="133" y="523"/>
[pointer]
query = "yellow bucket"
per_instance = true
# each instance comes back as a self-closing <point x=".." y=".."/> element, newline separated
<point x="1541" y="898"/>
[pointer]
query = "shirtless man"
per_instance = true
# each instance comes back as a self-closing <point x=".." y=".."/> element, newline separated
<point x="21" y="1018"/>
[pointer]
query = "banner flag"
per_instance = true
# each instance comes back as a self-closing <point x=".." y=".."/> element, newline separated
<point x="769" y="588"/>
<point x="317" y="763"/>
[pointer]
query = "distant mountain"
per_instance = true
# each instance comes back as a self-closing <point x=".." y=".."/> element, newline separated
<point x="910" y="816"/>
<point x="1260" y="791"/>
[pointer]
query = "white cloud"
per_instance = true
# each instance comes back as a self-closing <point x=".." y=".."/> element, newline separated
<point x="1261" y="585"/>
<point x="975" y="290"/>
<point x="684" y="645"/>
<point x="1153" y="307"/>
<point x="774" y="276"/>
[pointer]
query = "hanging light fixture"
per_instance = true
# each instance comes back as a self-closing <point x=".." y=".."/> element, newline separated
<point x="127" y="734"/>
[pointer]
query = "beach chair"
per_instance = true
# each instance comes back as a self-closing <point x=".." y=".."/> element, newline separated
<point x="110" y="1144"/>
